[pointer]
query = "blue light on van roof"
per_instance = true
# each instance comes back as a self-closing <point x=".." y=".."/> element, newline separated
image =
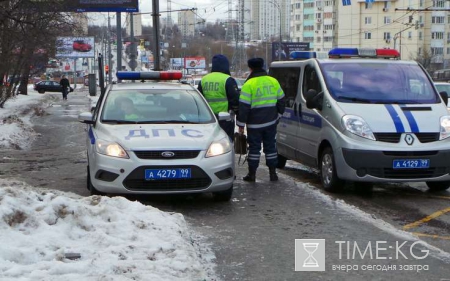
<point x="128" y="75"/>
<point x="302" y="55"/>
<point x="343" y="52"/>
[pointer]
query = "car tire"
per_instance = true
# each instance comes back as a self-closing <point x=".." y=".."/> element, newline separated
<point x="438" y="185"/>
<point x="90" y="186"/>
<point x="223" y="196"/>
<point x="328" y="175"/>
<point x="41" y="91"/>
<point x="281" y="161"/>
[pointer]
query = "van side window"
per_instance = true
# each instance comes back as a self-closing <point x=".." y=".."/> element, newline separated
<point x="311" y="80"/>
<point x="288" y="77"/>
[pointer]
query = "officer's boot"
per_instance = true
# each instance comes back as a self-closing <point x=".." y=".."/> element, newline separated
<point x="251" y="176"/>
<point x="273" y="174"/>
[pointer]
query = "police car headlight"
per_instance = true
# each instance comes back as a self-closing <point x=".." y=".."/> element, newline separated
<point x="356" y="125"/>
<point x="445" y="127"/>
<point x="111" y="149"/>
<point x="219" y="147"/>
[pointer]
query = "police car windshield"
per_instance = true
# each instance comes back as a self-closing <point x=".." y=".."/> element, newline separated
<point x="154" y="106"/>
<point x="371" y="82"/>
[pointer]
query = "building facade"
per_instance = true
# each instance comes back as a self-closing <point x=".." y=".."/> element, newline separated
<point x="186" y="23"/>
<point x="266" y="18"/>
<point x="419" y="29"/>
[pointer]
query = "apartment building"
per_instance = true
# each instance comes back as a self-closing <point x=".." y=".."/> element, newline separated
<point x="419" y="29"/>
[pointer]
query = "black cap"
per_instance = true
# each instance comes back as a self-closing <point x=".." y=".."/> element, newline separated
<point x="255" y="63"/>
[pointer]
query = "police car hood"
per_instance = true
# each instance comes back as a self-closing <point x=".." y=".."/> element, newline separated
<point x="162" y="136"/>
<point x="395" y="118"/>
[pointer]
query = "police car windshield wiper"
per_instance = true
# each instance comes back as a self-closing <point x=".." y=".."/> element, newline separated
<point x="354" y="99"/>
<point x="119" y="121"/>
<point x="179" y="122"/>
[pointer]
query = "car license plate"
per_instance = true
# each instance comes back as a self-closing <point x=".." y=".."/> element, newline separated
<point x="411" y="164"/>
<point x="163" y="174"/>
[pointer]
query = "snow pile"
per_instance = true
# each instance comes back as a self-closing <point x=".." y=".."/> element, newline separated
<point x="116" y="239"/>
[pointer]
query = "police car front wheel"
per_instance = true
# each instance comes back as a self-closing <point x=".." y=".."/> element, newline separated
<point x="90" y="186"/>
<point x="328" y="174"/>
<point x="223" y="196"/>
<point x="438" y="185"/>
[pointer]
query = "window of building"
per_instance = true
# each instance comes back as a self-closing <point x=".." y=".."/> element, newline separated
<point x="318" y="15"/>
<point x="420" y="3"/>
<point x="420" y="35"/>
<point x="387" y="20"/>
<point x="368" y="5"/>
<point x="298" y="17"/>
<point x="298" y="27"/>
<point x="318" y="39"/>
<point x="308" y="5"/>
<point x="328" y="27"/>
<point x="387" y="36"/>
<point x="437" y="35"/>
<point x="387" y="5"/>
<point x="438" y="3"/>
<point x="448" y="51"/>
<point x="437" y="20"/>
<point x="298" y="5"/>
<point x="327" y="15"/>
<point x="367" y="20"/>
<point x="409" y="34"/>
<point x="420" y="51"/>
<point x="330" y="3"/>
<point x="367" y="35"/>
<point x="437" y="50"/>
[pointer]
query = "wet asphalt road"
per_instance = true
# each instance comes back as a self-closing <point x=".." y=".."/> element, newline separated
<point x="253" y="236"/>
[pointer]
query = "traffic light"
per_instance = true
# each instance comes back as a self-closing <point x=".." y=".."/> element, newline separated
<point x="107" y="69"/>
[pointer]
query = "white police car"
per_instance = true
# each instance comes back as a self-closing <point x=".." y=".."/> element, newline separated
<point x="157" y="138"/>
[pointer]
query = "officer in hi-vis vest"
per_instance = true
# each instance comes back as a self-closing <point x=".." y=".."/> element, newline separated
<point x="221" y="92"/>
<point x="260" y="106"/>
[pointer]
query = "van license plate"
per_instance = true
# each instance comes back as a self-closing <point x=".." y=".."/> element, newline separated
<point x="411" y="164"/>
<point x="165" y="174"/>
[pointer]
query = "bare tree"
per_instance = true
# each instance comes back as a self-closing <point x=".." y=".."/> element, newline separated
<point x="28" y="30"/>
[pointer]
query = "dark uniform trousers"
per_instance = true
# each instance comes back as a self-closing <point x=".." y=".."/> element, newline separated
<point x="228" y="127"/>
<point x="254" y="138"/>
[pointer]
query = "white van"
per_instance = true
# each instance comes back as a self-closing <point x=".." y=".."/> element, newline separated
<point x="365" y="120"/>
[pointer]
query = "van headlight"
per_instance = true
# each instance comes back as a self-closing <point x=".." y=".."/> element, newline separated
<point x="445" y="127"/>
<point x="112" y="149"/>
<point x="219" y="147"/>
<point x="356" y="125"/>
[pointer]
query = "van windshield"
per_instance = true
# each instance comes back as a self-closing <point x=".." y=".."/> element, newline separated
<point x="371" y="82"/>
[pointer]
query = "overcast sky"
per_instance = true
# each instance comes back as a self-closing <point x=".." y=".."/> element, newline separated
<point x="208" y="10"/>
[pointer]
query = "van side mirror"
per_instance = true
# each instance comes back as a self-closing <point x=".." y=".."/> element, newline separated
<point x="444" y="97"/>
<point x="314" y="99"/>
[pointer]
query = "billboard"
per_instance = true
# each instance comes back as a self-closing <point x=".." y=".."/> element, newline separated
<point x="176" y="63"/>
<point x="194" y="62"/>
<point x="287" y="48"/>
<point x="100" y="5"/>
<point x="75" y="47"/>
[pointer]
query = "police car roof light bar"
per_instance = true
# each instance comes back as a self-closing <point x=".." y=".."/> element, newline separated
<point x="149" y="75"/>
<point x="363" y="53"/>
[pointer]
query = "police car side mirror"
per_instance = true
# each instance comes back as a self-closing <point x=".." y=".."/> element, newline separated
<point x="224" y="116"/>
<point x="314" y="99"/>
<point x="86" y="118"/>
<point x="444" y="97"/>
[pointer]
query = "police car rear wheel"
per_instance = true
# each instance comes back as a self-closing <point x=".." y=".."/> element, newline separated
<point x="91" y="187"/>
<point x="223" y="196"/>
<point x="328" y="175"/>
<point x="281" y="161"/>
<point x="438" y="185"/>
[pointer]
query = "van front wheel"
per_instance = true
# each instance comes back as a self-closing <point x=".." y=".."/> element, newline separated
<point x="328" y="175"/>
<point x="438" y="185"/>
<point x="281" y="161"/>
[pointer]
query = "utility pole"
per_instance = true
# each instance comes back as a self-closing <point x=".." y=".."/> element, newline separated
<point x="119" y="41"/>
<point x="156" y="15"/>
<point x="109" y="50"/>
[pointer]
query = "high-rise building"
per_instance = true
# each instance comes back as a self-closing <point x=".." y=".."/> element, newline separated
<point x="186" y="23"/>
<point x="266" y="18"/>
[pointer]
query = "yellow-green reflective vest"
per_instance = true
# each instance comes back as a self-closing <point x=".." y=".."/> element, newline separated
<point x="213" y="87"/>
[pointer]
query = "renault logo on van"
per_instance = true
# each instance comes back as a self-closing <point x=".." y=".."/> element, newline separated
<point x="167" y="154"/>
<point x="409" y="139"/>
